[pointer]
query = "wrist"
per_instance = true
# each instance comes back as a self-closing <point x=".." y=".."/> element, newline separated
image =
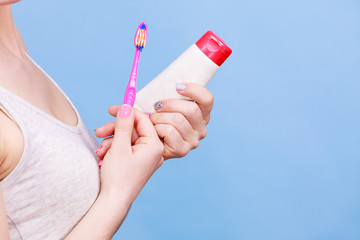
<point x="117" y="196"/>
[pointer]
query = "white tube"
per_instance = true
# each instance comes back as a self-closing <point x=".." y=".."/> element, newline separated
<point x="192" y="66"/>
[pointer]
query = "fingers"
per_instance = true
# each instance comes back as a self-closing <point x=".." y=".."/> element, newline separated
<point x="105" y="130"/>
<point x="123" y="131"/>
<point x="104" y="147"/>
<point x="143" y="123"/>
<point x="139" y="116"/>
<point x="144" y="126"/>
<point x="108" y="129"/>
<point x="189" y="109"/>
<point x="148" y="137"/>
<point x="134" y="134"/>
<point x="200" y="95"/>
<point x="178" y="121"/>
<point x="175" y="146"/>
<point x="113" y="109"/>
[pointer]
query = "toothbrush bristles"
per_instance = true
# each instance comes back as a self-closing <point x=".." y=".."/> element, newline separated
<point x="141" y="36"/>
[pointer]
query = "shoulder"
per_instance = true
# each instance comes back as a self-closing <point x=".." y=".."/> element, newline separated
<point x="11" y="145"/>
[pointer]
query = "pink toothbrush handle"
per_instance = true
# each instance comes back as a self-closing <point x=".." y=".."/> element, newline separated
<point x="130" y="92"/>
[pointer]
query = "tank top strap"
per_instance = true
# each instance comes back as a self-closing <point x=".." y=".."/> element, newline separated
<point x="12" y="108"/>
<point x="33" y="123"/>
<point x="16" y="112"/>
<point x="18" y="108"/>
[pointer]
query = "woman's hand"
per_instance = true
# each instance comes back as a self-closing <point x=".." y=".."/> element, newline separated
<point x="179" y="123"/>
<point x="128" y="166"/>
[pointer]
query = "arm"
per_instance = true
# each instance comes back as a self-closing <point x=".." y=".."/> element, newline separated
<point x="101" y="222"/>
<point x="110" y="208"/>
<point x="126" y="169"/>
<point x="103" y="219"/>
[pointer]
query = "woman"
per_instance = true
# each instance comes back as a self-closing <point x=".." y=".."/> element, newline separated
<point x="51" y="186"/>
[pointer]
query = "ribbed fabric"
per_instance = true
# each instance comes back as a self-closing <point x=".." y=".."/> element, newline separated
<point x="57" y="178"/>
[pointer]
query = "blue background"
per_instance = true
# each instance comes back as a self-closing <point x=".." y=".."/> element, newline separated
<point x="282" y="155"/>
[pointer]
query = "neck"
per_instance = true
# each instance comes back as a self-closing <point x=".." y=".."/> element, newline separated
<point x="8" y="39"/>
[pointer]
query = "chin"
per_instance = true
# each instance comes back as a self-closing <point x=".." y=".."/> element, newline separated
<point x="8" y="2"/>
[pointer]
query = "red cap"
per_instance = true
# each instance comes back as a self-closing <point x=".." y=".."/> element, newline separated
<point x="214" y="47"/>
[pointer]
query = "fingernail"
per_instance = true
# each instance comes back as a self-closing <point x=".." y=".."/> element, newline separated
<point x="124" y="111"/>
<point x="149" y="114"/>
<point x="180" y="87"/>
<point x="99" y="148"/>
<point x="158" y="105"/>
<point x="100" y="163"/>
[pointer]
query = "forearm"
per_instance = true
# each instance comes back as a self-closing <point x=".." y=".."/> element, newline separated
<point x="103" y="219"/>
<point x="126" y="169"/>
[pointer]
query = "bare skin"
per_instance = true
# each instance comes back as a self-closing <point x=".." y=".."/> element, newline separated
<point x="19" y="75"/>
<point x="180" y="124"/>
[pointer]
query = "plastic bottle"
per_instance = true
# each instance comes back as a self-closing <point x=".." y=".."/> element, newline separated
<point x="197" y="64"/>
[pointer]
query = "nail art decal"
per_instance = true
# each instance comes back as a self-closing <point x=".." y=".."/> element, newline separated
<point x="158" y="105"/>
<point x="99" y="149"/>
<point x="149" y="114"/>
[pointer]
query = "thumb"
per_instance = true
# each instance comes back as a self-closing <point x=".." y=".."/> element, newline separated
<point x="123" y="131"/>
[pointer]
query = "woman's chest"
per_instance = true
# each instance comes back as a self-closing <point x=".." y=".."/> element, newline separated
<point x="28" y="81"/>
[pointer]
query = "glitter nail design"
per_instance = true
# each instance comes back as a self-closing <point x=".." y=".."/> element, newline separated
<point x="149" y="114"/>
<point x="158" y="105"/>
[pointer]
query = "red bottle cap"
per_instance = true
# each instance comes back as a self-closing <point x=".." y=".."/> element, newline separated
<point x="214" y="47"/>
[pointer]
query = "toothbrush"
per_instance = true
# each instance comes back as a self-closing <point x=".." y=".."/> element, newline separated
<point x="139" y="42"/>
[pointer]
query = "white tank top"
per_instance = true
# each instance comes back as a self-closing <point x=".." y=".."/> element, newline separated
<point x="57" y="178"/>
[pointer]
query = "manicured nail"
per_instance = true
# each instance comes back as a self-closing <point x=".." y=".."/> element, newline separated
<point x="100" y="163"/>
<point x="180" y="87"/>
<point x="149" y="114"/>
<point x="158" y="105"/>
<point x="124" y="111"/>
<point x="99" y="148"/>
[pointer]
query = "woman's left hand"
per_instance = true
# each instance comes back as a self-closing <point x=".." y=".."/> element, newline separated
<point x="181" y="124"/>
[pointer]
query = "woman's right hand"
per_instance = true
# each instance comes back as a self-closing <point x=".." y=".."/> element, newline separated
<point x="128" y="166"/>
